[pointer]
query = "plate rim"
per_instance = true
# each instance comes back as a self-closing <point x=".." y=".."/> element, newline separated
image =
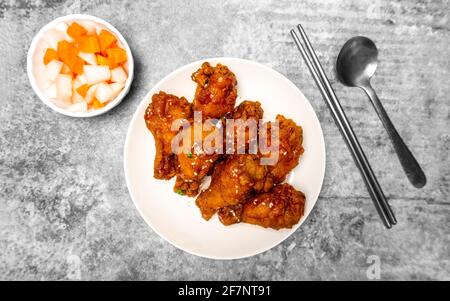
<point x="136" y="116"/>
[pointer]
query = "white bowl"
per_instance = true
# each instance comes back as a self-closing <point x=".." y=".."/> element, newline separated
<point x="70" y="18"/>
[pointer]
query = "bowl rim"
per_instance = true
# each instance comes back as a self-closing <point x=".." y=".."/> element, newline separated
<point x="83" y="17"/>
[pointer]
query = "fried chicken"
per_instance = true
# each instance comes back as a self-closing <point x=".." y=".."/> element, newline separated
<point x="282" y="207"/>
<point x="216" y="91"/>
<point x="242" y="189"/>
<point x="196" y="163"/>
<point x="163" y="110"/>
<point x="233" y="180"/>
<point x="247" y="110"/>
<point x="289" y="146"/>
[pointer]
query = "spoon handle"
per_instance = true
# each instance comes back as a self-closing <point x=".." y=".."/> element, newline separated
<point x="410" y="165"/>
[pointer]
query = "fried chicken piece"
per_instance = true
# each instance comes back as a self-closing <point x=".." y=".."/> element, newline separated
<point x="233" y="180"/>
<point x="195" y="164"/>
<point x="231" y="215"/>
<point x="216" y="91"/>
<point x="246" y="111"/>
<point x="282" y="207"/>
<point x="162" y="111"/>
<point x="289" y="147"/>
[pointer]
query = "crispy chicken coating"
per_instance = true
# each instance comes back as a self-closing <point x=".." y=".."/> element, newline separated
<point x="289" y="147"/>
<point x="216" y="91"/>
<point x="195" y="164"/>
<point x="282" y="207"/>
<point x="233" y="180"/>
<point x="231" y="215"/>
<point x="162" y="111"/>
<point x="246" y="111"/>
<point x="239" y="176"/>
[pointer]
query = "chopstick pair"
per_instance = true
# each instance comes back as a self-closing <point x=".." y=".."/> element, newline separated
<point x="314" y="66"/>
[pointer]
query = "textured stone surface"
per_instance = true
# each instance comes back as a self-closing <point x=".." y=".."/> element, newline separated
<point x="65" y="212"/>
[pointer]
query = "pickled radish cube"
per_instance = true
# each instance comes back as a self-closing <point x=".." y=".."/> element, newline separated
<point x="90" y="94"/>
<point x="53" y="36"/>
<point x="64" y="87"/>
<point x="104" y="93"/>
<point x="117" y="88"/>
<point x="53" y="69"/>
<point x="81" y="78"/>
<point x="118" y="75"/>
<point x="50" y="92"/>
<point x="77" y="83"/>
<point x="78" y="107"/>
<point x="96" y="74"/>
<point x="89" y="26"/>
<point x="76" y="98"/>
<point x="89" y="58"/>
<point x="62" y="105"/>
<point x="44" y="83"/>
<point x="62" y="27"/>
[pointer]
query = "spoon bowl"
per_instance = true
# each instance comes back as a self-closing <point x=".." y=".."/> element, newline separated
<point x="357" y="62"/>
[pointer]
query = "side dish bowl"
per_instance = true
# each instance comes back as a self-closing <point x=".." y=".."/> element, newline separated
<point x="37" y="46"/>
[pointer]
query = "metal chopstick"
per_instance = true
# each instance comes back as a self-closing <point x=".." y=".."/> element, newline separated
<point x="365" y="162"/>
<point x="341" y="120"/>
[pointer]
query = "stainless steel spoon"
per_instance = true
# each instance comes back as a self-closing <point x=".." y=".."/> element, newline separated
<point x="355" y="66"/>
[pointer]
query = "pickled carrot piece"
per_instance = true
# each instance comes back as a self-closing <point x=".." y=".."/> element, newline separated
<point x="82" y="90"/>
<point x="102" y="61"/>
<point x="88" y="44"/>
<point x="78" y="67"/>
<point x="106" y="39"/>
<point x="116" y="56"/>
<point x="67" y="53"/>
<point x="50" y="55"/>
<point x="75" y="30"/>
<point x="97" y="104"/>
<point x="66" y="70"/>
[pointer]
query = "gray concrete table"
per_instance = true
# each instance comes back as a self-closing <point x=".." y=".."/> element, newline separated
<point x="65" y="212"/>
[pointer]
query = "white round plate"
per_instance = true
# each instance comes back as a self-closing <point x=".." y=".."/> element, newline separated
<point x="176" y="218"/>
